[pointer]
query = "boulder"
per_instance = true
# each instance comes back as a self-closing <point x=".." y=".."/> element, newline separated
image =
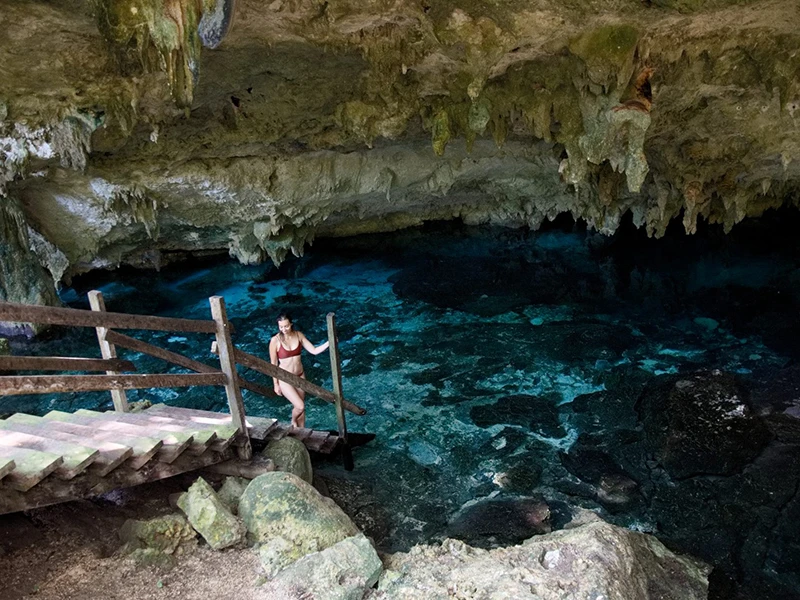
<point x="702" y="424"/>
<point x="210" y="517"/>
<point x="155" y="541"/>
<point x="594" y="560"/>
<point x="500" y="521"/>
<point x="344" y="571"/>
<point x="290" y="456"/>
<point x="282" y="505"/>
<point x="231" y="492"/>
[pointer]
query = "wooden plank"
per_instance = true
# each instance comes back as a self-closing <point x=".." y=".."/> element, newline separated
<point x="336" y="372"/>
<point x="201" y="438"/>
<point x="107" y="350"/>
<point x="316" y="440"/>
<point x="300" y="433"/>
<point x="330" y="445"/>
<point x="125" y="341"/>
<point x="251" y="468"/>
<point x="53" y="491"/>
<point x="143" y="448"/>
<point x="109" y="457"/>
<point x="45" y="384"/>
<point x="6" y="466"/>
<point x="51" y="315"/>
<point x="30" y="467"/>
<point x="267" y="368"/>
<point x="227" y="364"/>
<point x="63" y="363"/>
<point x="257" y="427"/>
<point x="174" y="444"/>
<point x="76" y="457"/>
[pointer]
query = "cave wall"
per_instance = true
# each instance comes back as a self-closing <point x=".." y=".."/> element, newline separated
<point x="134" y="130"/>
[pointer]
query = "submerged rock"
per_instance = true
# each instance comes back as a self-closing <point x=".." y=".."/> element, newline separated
<point x="703" y="424"/>
<point x="291" y="456"/>
<point x="210" y="517"/>
<point x="500" y="521"/>
<point x="345" y="571"/>
<point x="595" y="560"/>
<point x="283" y="505"/>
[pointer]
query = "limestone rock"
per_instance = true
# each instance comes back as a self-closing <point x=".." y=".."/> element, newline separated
<point x="210" y="517"/>
<point x="504" y="520"/>
<point x="595" y="560"/>
<point x="345" y="571"/>
<point x="291" y="456"/>
<point x="280" y="504"/>
<point x="703" y="424"/>
<point x="231" y="492"/>
<point x="155" y="541"/>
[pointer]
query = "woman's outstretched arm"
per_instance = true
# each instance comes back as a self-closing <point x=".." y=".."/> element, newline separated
<point x="311" y="348"/>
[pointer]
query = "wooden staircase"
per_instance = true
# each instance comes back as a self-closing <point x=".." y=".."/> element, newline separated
<point x="64" y="456"/>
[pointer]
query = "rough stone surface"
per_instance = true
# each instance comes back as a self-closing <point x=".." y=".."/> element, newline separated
<point x="283" y="505"/>
<point x="345" y="571"/>
<point x="210" y="517"/>
<point x="291" y="456"/>
<point x="124" y="141"/>
<point x="505" y="521"/>
<point x="703" y="424"/>
<point x="155" y="541"/>
<point x="594" y="560"/>
<point x="231" y="492"/>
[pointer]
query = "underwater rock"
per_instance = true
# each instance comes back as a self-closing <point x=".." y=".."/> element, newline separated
<point x="702" y="424"/>
<point x="591" y="560"/>
<point x="424" y="453"/>
<point x="537" y="413"/>
<point x="344" y="571"/>
<point x="500" y="521"/>
<point x="210" y="517"/>
<point x="290" y="456"/>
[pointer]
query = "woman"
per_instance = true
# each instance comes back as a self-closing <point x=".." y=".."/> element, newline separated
<point x="284" y="351"/>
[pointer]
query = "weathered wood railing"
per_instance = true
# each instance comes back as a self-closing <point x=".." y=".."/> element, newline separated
<point x="116" y="382"/>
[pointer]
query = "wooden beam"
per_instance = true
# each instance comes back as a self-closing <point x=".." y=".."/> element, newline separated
<point x="107" y="350"/>
<point x="125" y="341"/>
<point x="267" y="368"/>
<point x="63" y="363"/>
<point x="44" y="384"/>
<point x="51" y="315"/>
<point x="227" y="363"/>
<point x="336" y="374"/>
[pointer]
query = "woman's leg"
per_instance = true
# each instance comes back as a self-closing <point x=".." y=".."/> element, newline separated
<point x="297" y="398"/>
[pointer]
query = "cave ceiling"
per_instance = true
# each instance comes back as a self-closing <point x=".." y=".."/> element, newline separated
<point x="135" y="130"/>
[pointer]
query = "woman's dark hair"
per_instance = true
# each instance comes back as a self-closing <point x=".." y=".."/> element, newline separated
<point x="285" y="316"/>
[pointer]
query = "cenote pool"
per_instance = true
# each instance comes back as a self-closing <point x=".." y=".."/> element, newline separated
<point x="505" y="368"/>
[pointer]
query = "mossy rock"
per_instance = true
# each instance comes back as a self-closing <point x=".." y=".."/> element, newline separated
<point x="169" y="534"/>
<point x="231" y="492"/>
<point x="283" y="505"/>
<point x="291" y="456"/>
<point x="210" y="517"/>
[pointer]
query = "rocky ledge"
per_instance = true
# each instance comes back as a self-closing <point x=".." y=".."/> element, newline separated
<point x="134" y="131"/>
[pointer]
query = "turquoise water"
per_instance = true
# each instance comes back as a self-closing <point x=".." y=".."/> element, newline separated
<point x="468" y="348"/>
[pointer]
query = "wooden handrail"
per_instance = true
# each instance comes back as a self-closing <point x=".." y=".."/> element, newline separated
<point x="267" y="368"/>
<point x="44" y="384"/>
<point x="125" y="341"/>
<point x="63" y="363"/>
<point x="52" y="315"/>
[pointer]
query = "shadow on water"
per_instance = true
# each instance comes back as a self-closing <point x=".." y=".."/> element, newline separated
<point x="508" y="370"/>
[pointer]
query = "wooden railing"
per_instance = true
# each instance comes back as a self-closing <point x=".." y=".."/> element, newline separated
<point x="116" y="382"/>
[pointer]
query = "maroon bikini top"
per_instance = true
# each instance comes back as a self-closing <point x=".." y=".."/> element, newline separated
<point x="284" y="353"/>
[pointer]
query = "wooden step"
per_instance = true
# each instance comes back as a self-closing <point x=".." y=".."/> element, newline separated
<point x="76" y="457"/>
<point x="173" y="445"/>
<point x="30" y="467"/>
<point x="220" y="423"/>
<point x="143" y="449"/>
<point x="278" y="432"/>
<point x="110" y="455"/>
<point x="200" y="439"/>
<point x="315" y="441"/>
<point x="300" y="433"/>
<point x="330" y="444"/>
<point x="6" y="466"/>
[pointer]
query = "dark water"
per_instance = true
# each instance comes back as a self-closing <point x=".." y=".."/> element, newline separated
<point x="501" y="368"/>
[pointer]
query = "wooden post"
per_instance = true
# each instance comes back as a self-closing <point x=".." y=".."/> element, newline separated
<point x="107" y="350"/>
<point x="336" y="374"/>
<point x="228" y="366"/>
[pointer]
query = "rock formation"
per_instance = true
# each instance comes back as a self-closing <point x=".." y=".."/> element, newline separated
<point x="134" y="130"/>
